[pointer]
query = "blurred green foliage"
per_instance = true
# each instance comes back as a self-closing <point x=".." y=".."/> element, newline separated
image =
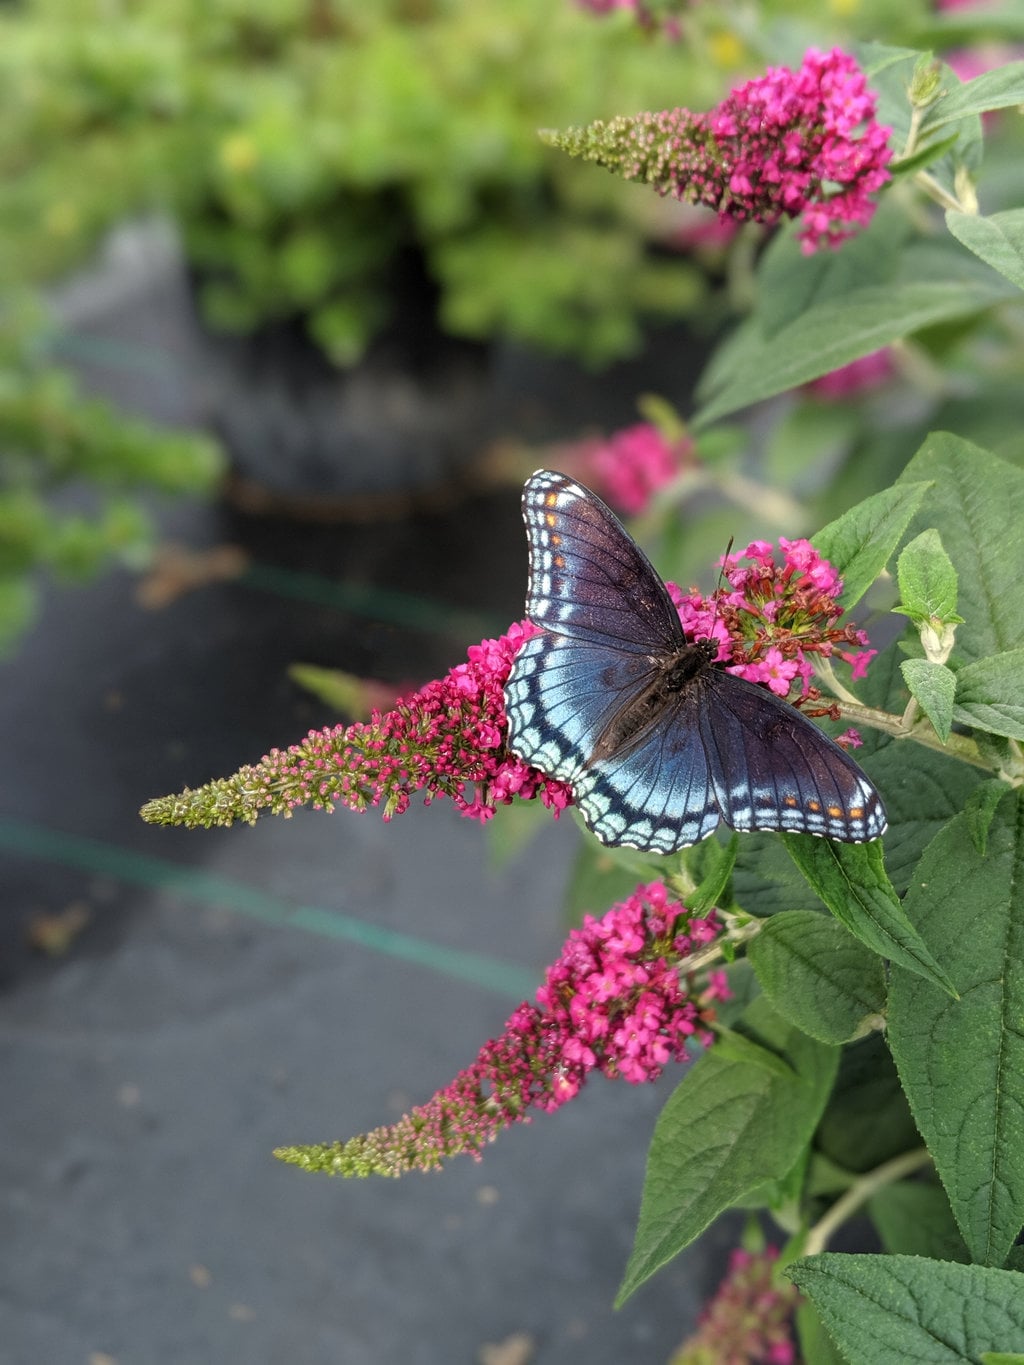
<point x="71" y="473"/>
<point x="300" y="144"/>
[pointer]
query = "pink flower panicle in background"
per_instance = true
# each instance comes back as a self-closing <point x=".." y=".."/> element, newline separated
<point x="646" y="15"/>
<point x="613" y="1002"/>
<point x="631" y="466"/>
<point x="749" y="1320"/>
<point x="772" y="618"/>
<point x="789" y="144"/>
<point x="865" y="373"/>
<point x="446" y="739"/>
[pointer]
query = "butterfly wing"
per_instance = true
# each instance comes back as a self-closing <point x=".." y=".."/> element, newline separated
<point x="720" y="748"/>
<point x="588" y="577"/>
<point x="773" y="769"/>
<point x="560" y="695"/>
<point x="660" y="796"/>
<point x="607" y="620"/>
<point x="607" y="617"/>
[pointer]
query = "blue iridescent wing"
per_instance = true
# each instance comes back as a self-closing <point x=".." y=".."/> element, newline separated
<point x="608" y="619"/>
<point x="660" y="797"/>
<point x="715" y="747"/>
<point x="773" y="769"/>
<point x="588" y="577"/>
<point x="560" y="695"/>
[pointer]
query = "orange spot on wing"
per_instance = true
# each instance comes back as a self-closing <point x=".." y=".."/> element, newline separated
<point x="836" y="812"/>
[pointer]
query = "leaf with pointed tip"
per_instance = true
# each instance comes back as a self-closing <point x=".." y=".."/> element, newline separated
<point x="817" y="975"/>
<point x="927" y="579"/>
<point x="934" y="284"/>
<point x="860" y="543"/>
<point x="962" y="1061"/>
<point x="990" y="694"/>
<point x="998" y="239"/>
<point x="934" y="687"/>
<point x="851" y="880"/>
<point x="977" y="505"/>
<point x="909" y="1308"/>
<point x="728" y="1127"/>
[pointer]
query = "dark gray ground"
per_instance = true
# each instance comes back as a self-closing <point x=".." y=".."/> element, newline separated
<point x="197" y="1022"/>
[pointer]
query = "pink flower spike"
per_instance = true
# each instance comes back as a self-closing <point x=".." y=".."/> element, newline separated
<point x="749" y="1320"/>
<point x="613" y="1002"/>
<point x="784" y="144"/>
<point x="446" y="739"/>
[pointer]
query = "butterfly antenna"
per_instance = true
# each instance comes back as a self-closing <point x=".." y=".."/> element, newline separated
<point x="718" y="585"/>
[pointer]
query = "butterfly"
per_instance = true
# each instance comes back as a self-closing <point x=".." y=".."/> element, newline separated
<point x="656" y="740"/>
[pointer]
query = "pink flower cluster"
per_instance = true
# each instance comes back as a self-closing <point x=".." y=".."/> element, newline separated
<point x="446" y="739"/>
<point x="631" y="466"/>
<point x="789" y="144"/>
<point x="749" y="1321"/>
<point x="772" y="617"/>
<point x="613" y="1002"/>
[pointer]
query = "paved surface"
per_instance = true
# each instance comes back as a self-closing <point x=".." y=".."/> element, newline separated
<point x="204" y="1015"/>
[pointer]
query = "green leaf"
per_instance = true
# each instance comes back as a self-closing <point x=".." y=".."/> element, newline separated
<point x="990" y="694"/>
<point x="1001" y="1358"/>
<point x="932" y="286"/>
<point x="927" y="579"/>
<point x="867" y="1120"/>
<point x="764" y="880"/>
<point x="892" y="84"/>
<point x="790" y="283"/>
<point x="923" y="788"/>
<point x="816" y="974"/>
<point x="816" y="1346"/>
<point x="859" y="543"/>
<point x="914" y="1218"/>
<point x="979" y="809"/>
<point x="710" y="863"/>
<point x="907" y="1308"/>
<point x="998" y="239"/>
<point x="1000" y="88"/>
<point x="924" y="156"/>
<point x="851" y="880"/>
<point x="738" y="1048"/>
<point x="977" y="505"/>
<point x="962" y="1061"/>
<point x="934" y="686"/>
<point x="727" y="1128"/>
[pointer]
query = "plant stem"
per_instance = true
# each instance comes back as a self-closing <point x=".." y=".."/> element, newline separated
<point x="859" y="1193"/>
<point x="956" y="746"/>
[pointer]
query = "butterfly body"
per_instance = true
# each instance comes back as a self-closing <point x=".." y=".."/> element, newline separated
<point x="658" y="742"/>
<point x="670" y="676"/>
